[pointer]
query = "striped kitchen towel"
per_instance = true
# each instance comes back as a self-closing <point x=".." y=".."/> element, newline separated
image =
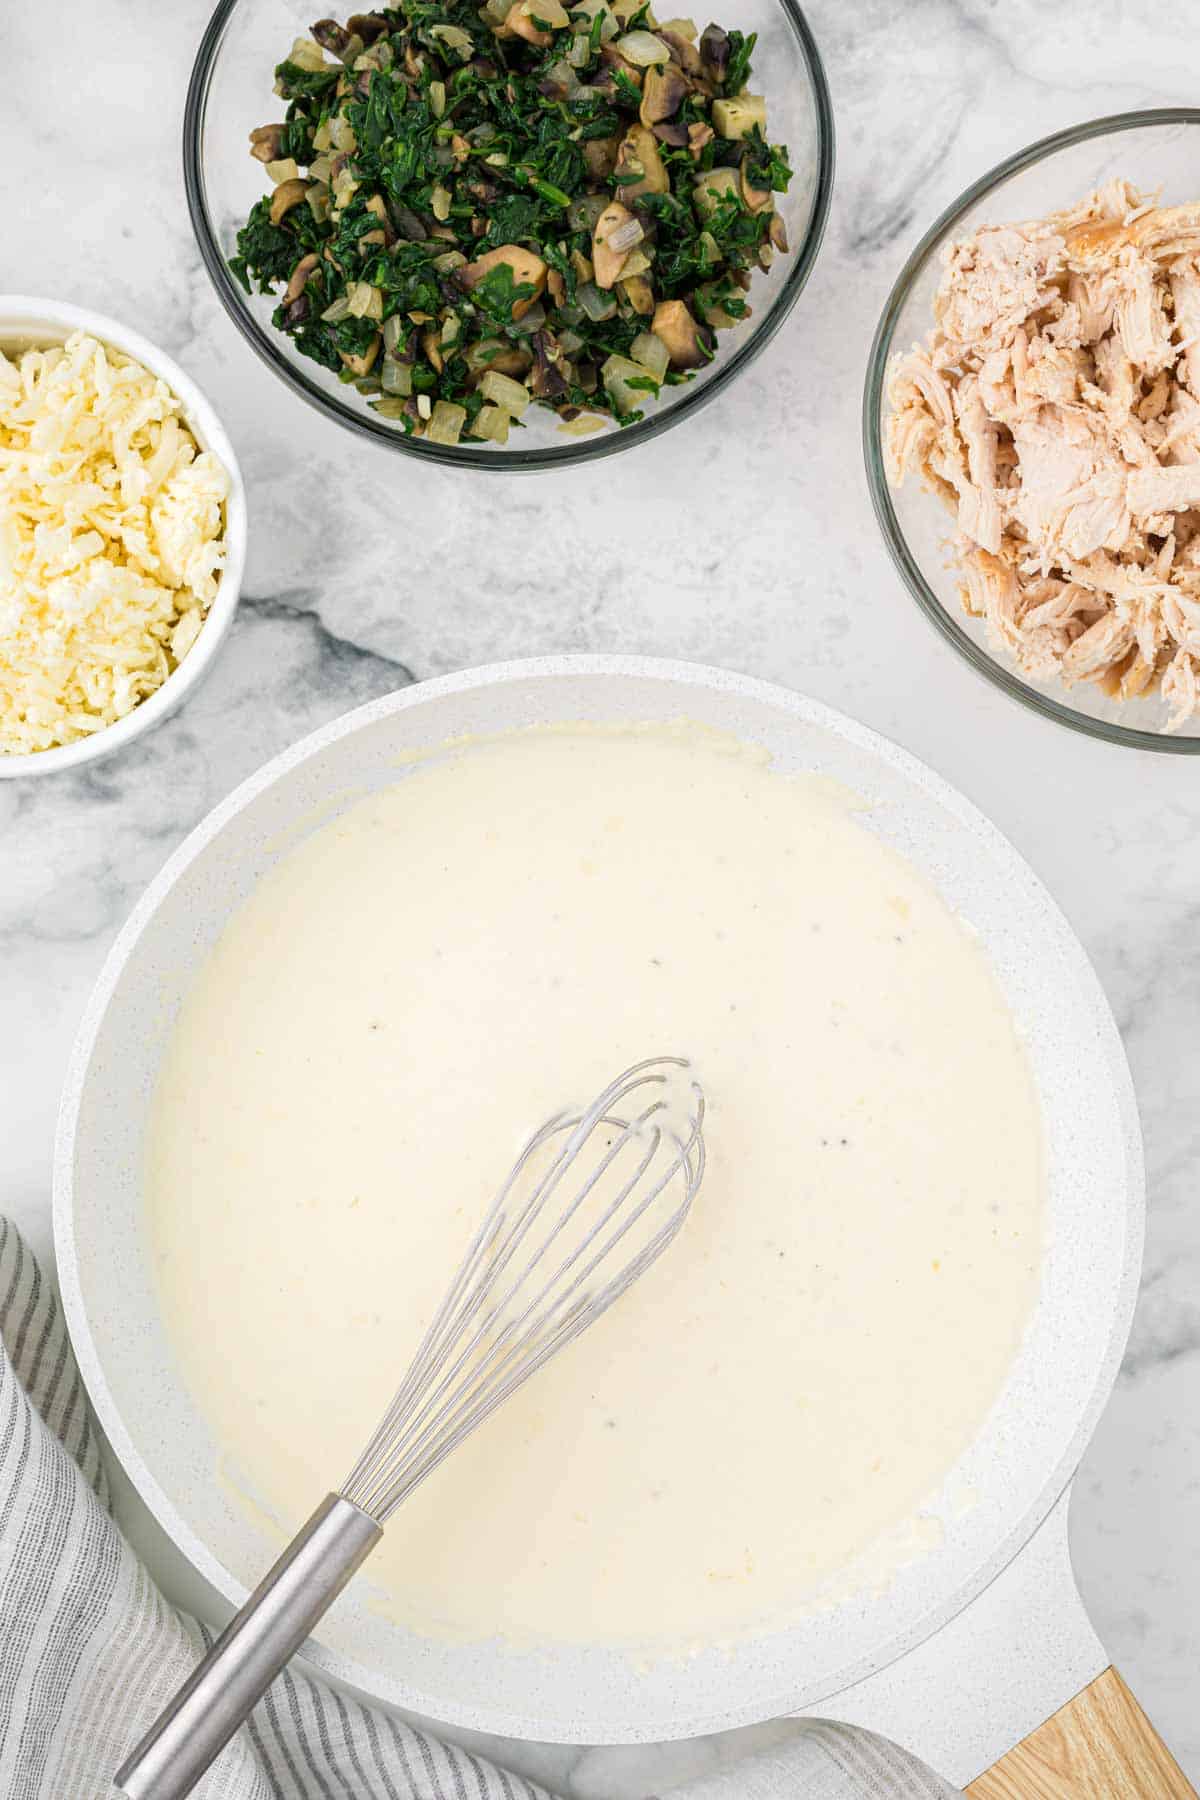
<point x="90" y="1652"/>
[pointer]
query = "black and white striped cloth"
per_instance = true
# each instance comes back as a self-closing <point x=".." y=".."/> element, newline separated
<point x="90" y="1651"/>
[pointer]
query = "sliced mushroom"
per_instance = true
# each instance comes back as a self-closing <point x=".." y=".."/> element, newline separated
<point x="600" y="157"/>
<point x="639" y="293"/>
<point x="330" y="35"/>
<point x="431" y="345"/>
<point x="612" y="59"/>
<point x="673" y="132"/>
<point x="756" y="198"/>
<point x="267" y="142"/>
<point x="714" y="52"/>
<point x="408" y="224"/>
<point x="367" y="26"/>
<point x="688" y="342"/>
<point x="299" y="277"/>
<point x="386" y="235"/>
<point x="663" y="93"/>
<point x="527" y="269"/>
<point x="639" y="155"/>
<point x="509" y="362"/>
<point x="698" y="136"/>
<point x="362" y="365"/>
<point x="549" y="383"/>
<point x="616" y="232"/>
<point x="287" y="195"/>
<point x="777" y="232"/>
<point x="683" y="53"/>
<point x="555" y="287"/>
<point x="297" y="312"/>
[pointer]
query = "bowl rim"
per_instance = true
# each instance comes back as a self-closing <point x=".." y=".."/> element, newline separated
<point x="906" y="564"/>
<point x="608" y="443"/>
<point x="24" y="315"/>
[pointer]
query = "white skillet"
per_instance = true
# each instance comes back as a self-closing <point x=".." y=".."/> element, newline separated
<point x="966" y="1650"/>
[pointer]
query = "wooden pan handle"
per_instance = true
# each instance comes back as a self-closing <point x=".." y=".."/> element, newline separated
<point x="1099" y="1746"/>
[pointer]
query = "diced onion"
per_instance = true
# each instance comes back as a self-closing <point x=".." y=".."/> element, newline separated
<point x="547" y="12"/>
<point x="307" y="55"/>
<point x="454" y="38"/>
<point x="395" y="377"/>
<point x="342" y="133"/>
<point x="333" y="315"/>
<point x="506" y="392"/>
<point x="446" y="423"/>
<point x="580" y="427"/>
<point x="649" y="350"/>
<point x="617" y="373"/>
<point x="393" y="332"/>
<point x="286" y="169"/>
<point x="366" y="302"/>
<point x="492" y="423"/>
<point x="642" y="49"/>
<point x="530" y="321"/>
<point x="589" y="9"/>
<point x="596" y="303"/>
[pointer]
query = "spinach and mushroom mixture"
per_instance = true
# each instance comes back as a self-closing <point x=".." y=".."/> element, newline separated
<point x="480" y="209"/>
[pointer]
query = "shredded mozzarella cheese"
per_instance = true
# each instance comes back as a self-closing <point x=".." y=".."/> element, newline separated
<point x="111" y="540"/>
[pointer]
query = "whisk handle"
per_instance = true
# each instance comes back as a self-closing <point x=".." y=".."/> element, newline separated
<point x="255" y="1645"/>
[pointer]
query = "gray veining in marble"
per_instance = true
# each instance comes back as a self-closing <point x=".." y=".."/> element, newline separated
<point x="743" y="538"/>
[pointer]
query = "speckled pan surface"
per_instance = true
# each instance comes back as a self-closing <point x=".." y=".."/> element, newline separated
<point x="1036" y="1432"/>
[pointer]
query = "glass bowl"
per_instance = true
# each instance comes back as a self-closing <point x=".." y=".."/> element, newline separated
<point x="231" y="93"/>
<point x="1157" y="151"/>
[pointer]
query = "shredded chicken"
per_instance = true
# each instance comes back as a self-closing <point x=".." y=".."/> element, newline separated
<point x="1055" y="410"/>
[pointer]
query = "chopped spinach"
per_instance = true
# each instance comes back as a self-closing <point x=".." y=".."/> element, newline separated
<point x="443" y="233"/>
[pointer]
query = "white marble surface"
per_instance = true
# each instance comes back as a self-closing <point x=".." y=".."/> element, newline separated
<point x="744" y="538"/>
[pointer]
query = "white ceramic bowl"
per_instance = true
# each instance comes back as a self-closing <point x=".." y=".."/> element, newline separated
<point x="1023" y="1457"/>
<point x="27" y="323"/>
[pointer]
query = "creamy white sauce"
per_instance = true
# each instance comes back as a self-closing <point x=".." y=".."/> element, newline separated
<point x="414" y="988"/>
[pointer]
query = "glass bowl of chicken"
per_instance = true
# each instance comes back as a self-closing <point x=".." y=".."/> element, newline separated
<point x="1031" y="424"/>
<point x="510" y="235"/>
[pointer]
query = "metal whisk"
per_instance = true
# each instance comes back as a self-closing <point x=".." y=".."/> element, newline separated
<point x="594" y="1198"/>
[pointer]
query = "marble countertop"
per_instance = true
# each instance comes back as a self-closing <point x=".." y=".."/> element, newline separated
<point x="366" y="572"/>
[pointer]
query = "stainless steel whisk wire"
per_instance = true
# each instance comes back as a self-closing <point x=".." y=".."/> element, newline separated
<point x="485" y="1340"/>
